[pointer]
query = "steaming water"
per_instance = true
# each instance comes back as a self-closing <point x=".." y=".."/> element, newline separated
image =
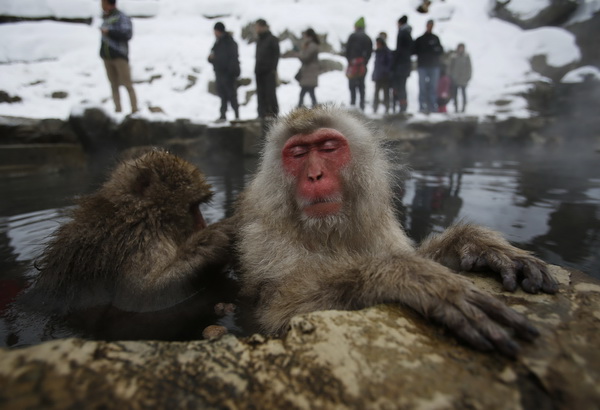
<point x="543" y="199"/>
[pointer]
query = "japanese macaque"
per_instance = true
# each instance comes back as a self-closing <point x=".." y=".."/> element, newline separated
<point x="139" y="244"/>
<point x="317" y="231"/>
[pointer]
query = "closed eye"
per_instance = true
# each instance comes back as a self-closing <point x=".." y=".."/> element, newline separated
<point x="329" y="146"/>
<point x="298" y="151"/>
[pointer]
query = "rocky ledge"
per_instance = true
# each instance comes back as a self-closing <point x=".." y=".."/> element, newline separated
<point x="382" y="357"/>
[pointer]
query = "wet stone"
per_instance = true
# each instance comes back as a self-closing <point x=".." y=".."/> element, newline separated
<point x="381" y="357"/>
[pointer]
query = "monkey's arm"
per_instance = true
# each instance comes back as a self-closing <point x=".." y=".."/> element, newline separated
<point x="173" y="273"/>
<point x="432" y="290"/>
<point x="475" y="248"/>
<point x="212" y="246"/>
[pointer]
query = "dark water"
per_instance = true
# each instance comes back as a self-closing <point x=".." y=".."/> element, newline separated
<point x="545" y="199"/>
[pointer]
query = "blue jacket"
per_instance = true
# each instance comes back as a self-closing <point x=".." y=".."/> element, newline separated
<point x="383" y="64"/>
<point x="120" y="30"/>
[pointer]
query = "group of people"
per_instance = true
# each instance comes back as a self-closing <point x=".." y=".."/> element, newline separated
<point x="438" y="84"/>
<point x="225" y="60"/>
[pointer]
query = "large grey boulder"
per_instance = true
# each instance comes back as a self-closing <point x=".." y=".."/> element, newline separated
<point x="383" y="357"/>
<point x="555" y="13"/>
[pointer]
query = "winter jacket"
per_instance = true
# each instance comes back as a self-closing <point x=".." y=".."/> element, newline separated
<point x="459" y="69"/>
<point x="114" y="44"/>
<point x="267" y="53"/>
<point x="225" y="58"/>
<point x="383" y="64"/>
<point x="404" y="46"/>
<point x="428" y="50"/>
<point x="309" y="72"/>
<point x="359" y="45"/>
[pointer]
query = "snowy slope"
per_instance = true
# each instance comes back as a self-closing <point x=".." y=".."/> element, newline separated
<point x="39" y="58"/>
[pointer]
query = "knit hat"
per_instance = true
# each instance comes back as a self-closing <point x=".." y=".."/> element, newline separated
<point x="220" y="27"/>
<point x="360" y="23"/>
<point x="403" y="20"/>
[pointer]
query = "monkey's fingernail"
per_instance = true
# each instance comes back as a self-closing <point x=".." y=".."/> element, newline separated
<point x="549" y="287"/>
<point x="509" y="347"/>
<point x="529" y="287"/>
<point x="509" y="284"/>
<point x="474" y="338"/>
<point x="529" y="332"/>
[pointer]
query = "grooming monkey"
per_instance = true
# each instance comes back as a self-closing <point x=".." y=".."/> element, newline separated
<point x="317" y="231"/>
<point x="138" y="247"/>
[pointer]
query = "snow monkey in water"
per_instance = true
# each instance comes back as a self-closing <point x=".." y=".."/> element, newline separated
<point x="139" y="244"/>
<point x="317" y="231"/>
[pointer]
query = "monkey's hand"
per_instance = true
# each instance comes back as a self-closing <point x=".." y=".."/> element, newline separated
<point x="470" y="313"/>
<point x="475" y="317"/>
<point x="474" y="248"/>
<point x="214" y="241"/>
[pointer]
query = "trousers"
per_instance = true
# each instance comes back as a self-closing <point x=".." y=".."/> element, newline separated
<point x="428" y="82"/>
<point x="119" y="73"/>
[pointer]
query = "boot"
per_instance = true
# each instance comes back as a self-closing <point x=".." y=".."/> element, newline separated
<point x="403" y="105"/>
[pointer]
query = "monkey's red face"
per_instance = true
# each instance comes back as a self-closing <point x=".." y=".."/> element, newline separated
<point x="315" y="161"/>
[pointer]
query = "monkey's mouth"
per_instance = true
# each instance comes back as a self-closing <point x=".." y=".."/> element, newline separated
<point x="321" y="207"/>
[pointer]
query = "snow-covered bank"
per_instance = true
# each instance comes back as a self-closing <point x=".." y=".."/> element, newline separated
<point x="169" y="53"/>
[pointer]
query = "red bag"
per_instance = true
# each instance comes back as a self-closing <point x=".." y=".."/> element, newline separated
<point x="357" y="68"/>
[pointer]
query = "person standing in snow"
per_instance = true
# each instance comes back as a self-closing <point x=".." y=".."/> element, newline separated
<point x="265" y="69"/>
<point x="116" y="31"/>
<point x="358" y="52"/>
<point x="225" y="60"/>
<point x="401" y="65"/>
<point x="428" y="50"/>
<point x="309" y="71"/>
<point x="460" y="72"/>
<point x="382" y="74"/>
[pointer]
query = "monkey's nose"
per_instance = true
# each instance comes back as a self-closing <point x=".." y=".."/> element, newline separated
<point x="315" y="176"/>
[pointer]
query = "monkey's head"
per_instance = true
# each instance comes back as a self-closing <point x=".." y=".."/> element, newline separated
<point x="329" y="163"/>
<point x="161" y="188"/>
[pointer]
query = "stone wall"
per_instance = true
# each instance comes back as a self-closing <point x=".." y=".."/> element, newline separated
<point x="384" y="357"/>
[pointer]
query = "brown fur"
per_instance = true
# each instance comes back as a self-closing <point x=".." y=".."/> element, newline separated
<point x="132" y="244"/>
<point x="292" y="264"/>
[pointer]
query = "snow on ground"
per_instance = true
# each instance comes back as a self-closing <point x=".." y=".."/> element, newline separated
<point x="39" y="58"/>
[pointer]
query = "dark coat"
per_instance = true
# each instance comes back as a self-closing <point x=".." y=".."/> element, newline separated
<point x="428" y="50"/>
<point x="383" y="64"/>
<point x="225" y="58"/>
<point x="404" y="46"/>
<point x="267" y="53"/>
<point x="359" y="45"/>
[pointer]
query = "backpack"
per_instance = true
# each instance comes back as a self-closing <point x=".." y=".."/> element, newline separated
<point x="357" y="68"/>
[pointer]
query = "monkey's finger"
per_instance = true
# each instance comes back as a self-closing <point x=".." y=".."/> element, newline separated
<point x="533" y="278"/>
<point x="505" y="315"/>
<point x="549" y="283"/>
<point x="494" y="334"/>
<point x="499" y="262"/>
<point x="458" y="324"/>
<point x="509" y="278"/>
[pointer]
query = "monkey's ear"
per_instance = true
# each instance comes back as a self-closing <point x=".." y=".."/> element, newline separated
<point x="142" y="181"/>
